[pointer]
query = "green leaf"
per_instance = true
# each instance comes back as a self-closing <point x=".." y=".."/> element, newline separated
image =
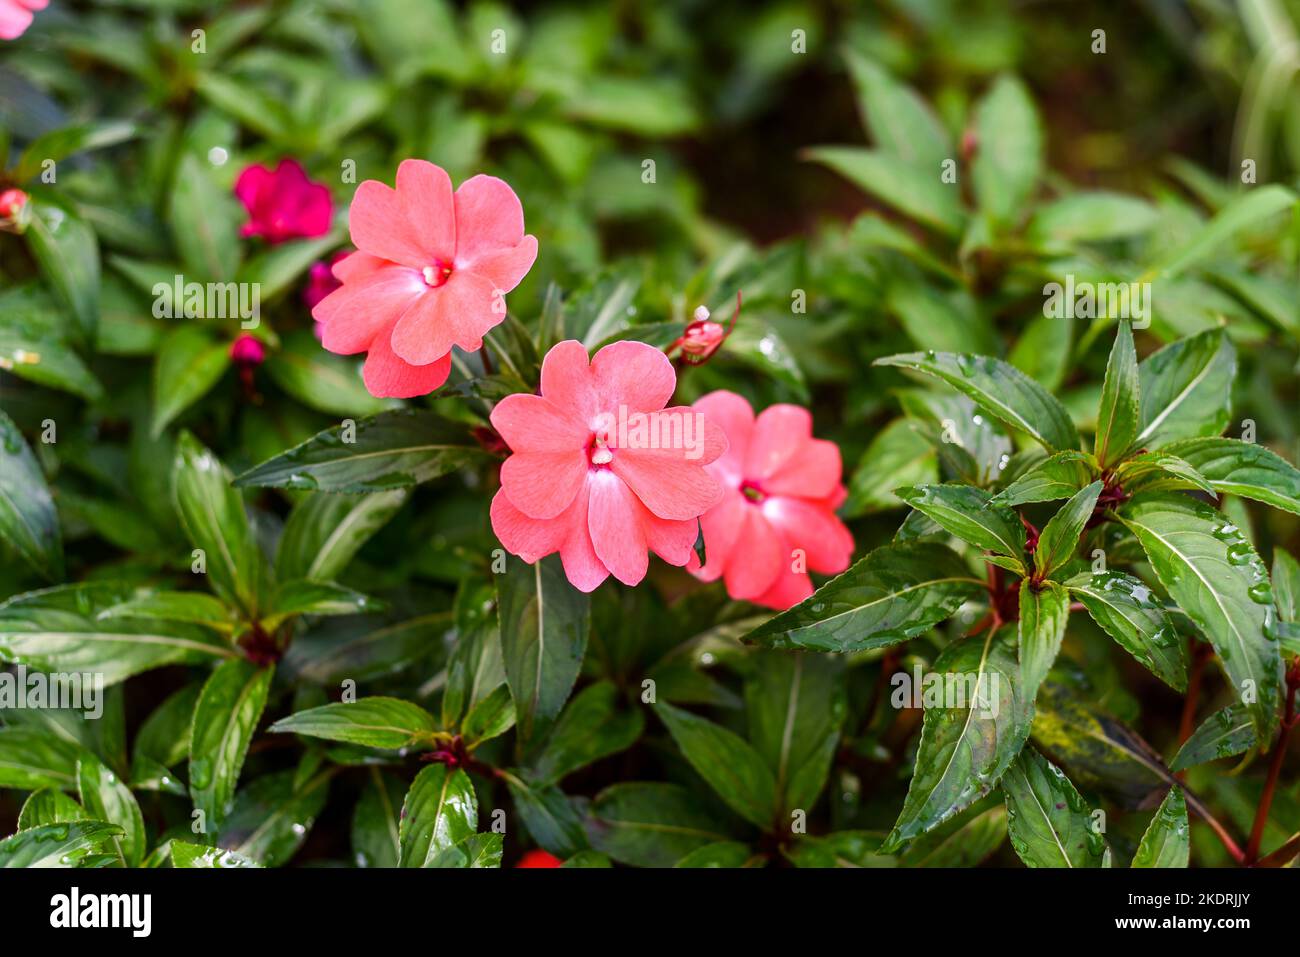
<point x="440" y="810"/>
<point x="375" y="722"/>
<point x="1126" y="609"/>
<point x="963" y="841"/>
<point x="385" y="451"/>
<point x="1160" y="470"/>
<point x="896" y="592"/>
<point x="195" y="607"/>
<point x="190" y="362"/>
<point x="553" y="819"/>
<point x="337" y="650"/>
<point x="164" y="737"/>
<point x="544" y="624"/>
<point x="304" y="597"/>
<point x="1060" y="536"/>
<point x="899" y="120"/>
<point x="47" y="362"/>
<point x="592" y="726"/>
<point x="28" y="520"/>
<point x="1008" y="151"/>
<point x="57" y="629"/>
<point x="721" y="854"/>
<point x="1092" y="216"/>
<point x="1058" y="476"/>
<point x="60" y="144"/>
<point x="185" y="854"/>
<point x="1247" y="210"/>
<point x="477" y="850"/>
<point x="278" y="268"/>
<point x="968" y="513"/>
<point x="106" y="798"/>
<point x="795" y="703"/>
<point x="204" y="220"/>
<point x="1213" y="573"/>
<point x="1242" y="468"/>
<point x="376" y="822"/>
<point x="32" y="758"/>
<point x="56" y="845"/>
<point x="1049" y="822"/>
<point x="727" y="762"/>
<point x="840" y="849"/>
<point x="965" y="748"/>
<point x="1167" y="841"/>
<point x="225" y="718"/>
<point x="1186" y="389"/>
<point x="475" y="669"/>
<point x="212" y="514"/>
<point x="321" y="380"/>
<point x="1286" y="584"/>
<point x="1117" y="416"/>
<point x="898" y="455"/>
<point x="652" y="824"/>
<point x="1222" y="735"/>
<point x="1001" y="389"/>
<point x="67" y="252"/>
<point x="324" y="532"/>
<point x="271" y="819"/>
<point x="917" y="192"/>
<point x="489" y="718"/>
<point x="49" y="806"/>
<point x="1044" y="613"/>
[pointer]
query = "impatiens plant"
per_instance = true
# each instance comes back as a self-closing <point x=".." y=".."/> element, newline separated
<point x="646" y="435"/>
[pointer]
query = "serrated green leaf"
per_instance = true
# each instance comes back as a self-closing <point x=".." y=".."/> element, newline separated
<point x="1128" y="611"/>
<point x="727" y="762"/>
<point x="225" y="717"/>
<point x="1060" y="536"/>
<point x="1167" y="841"/>
<point x="440" y="810"/>
<point x="1117" y="416"/>
<point x="1049" y="822"/>
<point x="1242" y="468"/>
<point x="1044" y="613"/>
<point x="375" y="722"/>
<point x="1186" y="389"/>
<point x="969" y="513"/>
<point x="1223" y="734"/>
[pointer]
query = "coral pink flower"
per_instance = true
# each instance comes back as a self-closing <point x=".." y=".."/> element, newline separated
<point x="283" y="204"/>
<point x="782" y="487"/>
<point x="601" y="471"/>
<point x="539" y="859"/>
<point x="16" y="16"/>
<point x="431" y="272"/>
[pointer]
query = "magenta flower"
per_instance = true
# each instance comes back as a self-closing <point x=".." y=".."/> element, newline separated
<point x="432" y="271"/>
<point x="283" y="204"/>
<point x="601" y="471"/>
<point x="321" y="281"/>
<point x="777" y="516"/>
<point x="16" y="16"/>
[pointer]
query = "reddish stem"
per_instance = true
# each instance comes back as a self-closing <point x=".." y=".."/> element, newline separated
<point x="1275" y="766"/>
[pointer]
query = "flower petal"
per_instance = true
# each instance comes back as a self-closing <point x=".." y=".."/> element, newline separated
<point x="530" y="423"/>
<point x="529" y="538"/>
<point x="613" y="518"/>
<point x="457" y="313"/>
<point x="779" y="432"/>
<point x="815" y="529"/>
<point x="731" y="413"/>
<point x="582" y="566"/>
<point x="489" y="218"/>
<point x="721" y="526"/>
<point x="667" y="484"/>
<point x="813" y="471"/>
<point x="567" y="380"/>
<point x="543" y="484"/>
<point x="758" y="558"/>
<point x="354" y="313"/>
<point x="790" y="589"/>
<point x="506" y="268"/>
<point x="387" y="375"/>
<point x="633" y="374"/>
<point x="378" y="224"/>
<point x="426" y="197"/>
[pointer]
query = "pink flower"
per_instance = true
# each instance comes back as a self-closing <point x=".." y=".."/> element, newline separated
<point x="702" y="338"/>
<point x="16" y="16"/>
<point x="601" y="471"/>
<point x="321" y="281"/>
<point x="432" y="272"/>
<point x="14" y="211"/>
<point x="248" y="350"/>
<point x="283" y="204"/>
<point x="782" y="489"/>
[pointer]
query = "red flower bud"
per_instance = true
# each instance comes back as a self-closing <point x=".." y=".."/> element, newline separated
<point x="13" y="210"/>
<point x="248" y="351"/>
<point x="538" y="859"/>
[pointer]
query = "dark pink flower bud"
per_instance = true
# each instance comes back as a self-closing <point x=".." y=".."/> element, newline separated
<point x="321" y="280"/>
<point x="13" y="210"/>
<point x="283" y="204"/>
<point x="248" y="351"/>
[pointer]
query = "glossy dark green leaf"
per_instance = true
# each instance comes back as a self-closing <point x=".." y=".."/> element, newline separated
<point x="106" y="798"/>
<point x="796" y="703"/>
<point x="58" y="630"/>
<point x="727" y="762"/>
<point x="963" y="841"/>
<point x="164" y="737"/>
<point x="1003" y="390"/>
<point x="1186" y="389"/>
<point x="544" y="623"/>
<point x="56" y="845"/>
<point x="840" y="849"/>
<point x="194" y="607"/>
<point x="968" y="513"/>
<point x="1050" y="823"/>
<point x="1009" y="150"/>
<point x="1158" y="471"/>
<point x="185" y="854"/>
<point x="1214" y="574"/>
<point x="1117" y="418"/>
<point x="67" y="252"/>
<point x="271" y="819"/>
<point x="376" y="822"/>
<point x="319" y="379"/>
<point x="307" y="597"/>
<point x="652" y="824"/>
<point x="375" y="722"/>
<point x="477" y="850"/>
<point x="489" y="718"/>
<point x="966" y="746"/>
<point x="898" y="455"/>
<point x="1223" y="734"/>
<point x="1044" y="613"/>
<point x="325" y="531"/>
<point x="552" y="818"/>
<point x="190" y="362"/>
<point x="721" y="854"/>
<point x="440" y="810"/>
<point x="1243" y="468"/>
<point x="1060" y="536"/>
<point x="896" y="592"/>
<point x="212" y="515"/>
<point x="225" y="717"/>
<point x="382" y="452"/>
<point x="358" y="649"/>
<point x="28" y="520"/>
<point x="1286" y="584"/>
<point x="1167" y="841"/>
<point x="1058" y="476"/>
<point x="1129" y="612"/>
<point x="592" y="726"/>
<point x="32" y="758"/>
<point x="49" y="806"/>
